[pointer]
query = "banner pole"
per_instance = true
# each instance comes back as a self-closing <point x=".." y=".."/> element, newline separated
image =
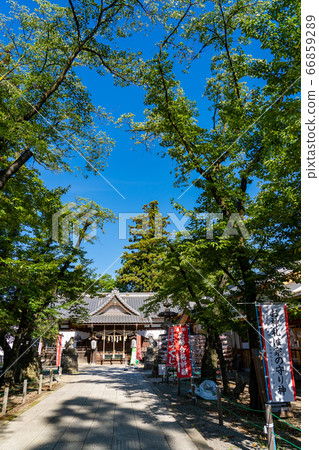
<point x="192" y="376"/>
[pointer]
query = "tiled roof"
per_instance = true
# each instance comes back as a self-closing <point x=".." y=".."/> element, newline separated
<point x="110" y="318"/>
<point x="108" y="298"/>
<point x="131" y="301"/>
<point x="94" y="303"/>
<point x="134" y="301"/>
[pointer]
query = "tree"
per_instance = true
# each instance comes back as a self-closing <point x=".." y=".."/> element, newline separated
<point x="253" y="136"/>
<point x="40" y="278"/>
<point x="179" y="282"/>
<point x="105" y="283"/>
<point x="139" y="272"/>
<point x="46" y="113"/>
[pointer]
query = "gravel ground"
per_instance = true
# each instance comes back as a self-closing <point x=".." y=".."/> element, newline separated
<point x="236" y="433"/>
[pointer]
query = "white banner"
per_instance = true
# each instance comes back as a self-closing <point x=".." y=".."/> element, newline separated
<point x="279" y="371"/>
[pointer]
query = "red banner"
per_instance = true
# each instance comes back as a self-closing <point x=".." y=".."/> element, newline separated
<point x="171" y="355"/>
<point x="183" y="353"/>
<point x="138" y="347"/>
<point x="58" y="350"/>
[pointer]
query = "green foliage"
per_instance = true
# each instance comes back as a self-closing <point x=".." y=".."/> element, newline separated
<point x="41" y="280"/>
<point x="45" y="109"/>
<point x="105" y="283"/>
<point x="139" y="272"/>
<point x="253" y="136"/>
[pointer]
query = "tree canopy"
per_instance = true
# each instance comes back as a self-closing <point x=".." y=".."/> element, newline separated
<point x="41" y="279"/>
<point x="46" y="113"/>
<point x="139" y="271"/>
<point x="246" y="159"/>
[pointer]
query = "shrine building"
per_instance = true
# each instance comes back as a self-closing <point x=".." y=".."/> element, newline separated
<point x="115" y="319"/>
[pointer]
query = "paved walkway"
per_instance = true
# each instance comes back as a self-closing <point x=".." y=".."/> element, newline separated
<point x="103" y="408"/>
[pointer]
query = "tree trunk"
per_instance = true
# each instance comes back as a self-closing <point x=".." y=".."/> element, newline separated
<point x="7" y="173"/>
<point x="20" y="361"/>
<point x="29" y="365"/>
<point x="210" y="358"/>
<point x="222" y="363"/>
<point x="9" y="362"/>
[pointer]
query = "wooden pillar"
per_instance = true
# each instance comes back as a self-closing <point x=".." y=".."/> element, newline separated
<point x="178" y="386"/>
<point x="270" y="428"/>
<point x="113" y="342"/>
<point x="24" y="392"/>
<point x="219" y="406"/>
<point x="40" y="384"/>
<point x="194" y="398"/>
<point x="5" y="400"/>
<point x="51" y="379"/>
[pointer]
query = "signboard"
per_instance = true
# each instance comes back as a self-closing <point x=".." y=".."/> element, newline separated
<point x="183" y="354"/>
<point x="138" y="347"/>
<point x="133" y="356"/>
<point x="162" y="369"/>
<point x="278" y="407"/>
<point x="277" y="356"/>
<point x="171" y="355"/>
<point x="58" y="350"/>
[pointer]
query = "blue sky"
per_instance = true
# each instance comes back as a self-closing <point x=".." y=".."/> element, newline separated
<point x="140" y="176"/>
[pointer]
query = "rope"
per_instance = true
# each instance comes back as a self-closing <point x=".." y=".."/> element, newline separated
<point x="278" y="436"/>
<point x="241" y="418"/>
<point x="281" y="420"/>
<point x="242" y="406"/>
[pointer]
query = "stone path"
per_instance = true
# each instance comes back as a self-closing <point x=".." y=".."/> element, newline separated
<point x="101" y="408"/>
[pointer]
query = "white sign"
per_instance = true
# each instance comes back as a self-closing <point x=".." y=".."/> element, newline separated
<point x="162" y="369"/>
<point x="279" y="371"/>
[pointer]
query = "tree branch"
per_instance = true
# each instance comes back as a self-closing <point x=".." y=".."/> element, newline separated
<point x="76" y="21"/>
<point x="35" y="108"/>
<point x="7" y="173"/>
<point x="228" y="53"/>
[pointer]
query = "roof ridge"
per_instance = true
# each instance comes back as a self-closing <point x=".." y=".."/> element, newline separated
<point x="115" y="293"/>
